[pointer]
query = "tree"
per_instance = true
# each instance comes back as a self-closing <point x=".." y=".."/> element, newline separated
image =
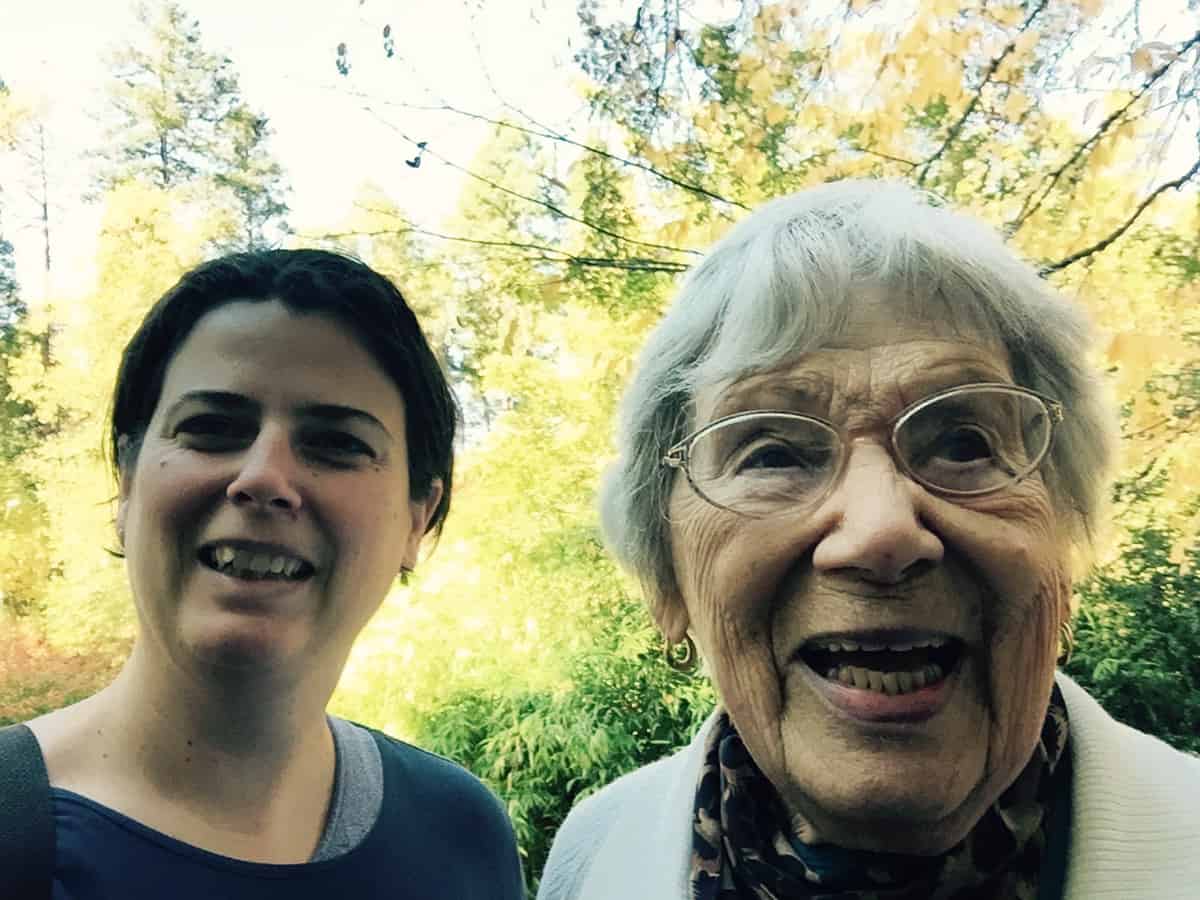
<point x="148" y="239"/>
<point x="178" y="120"/>
<point x="23" y="561"/>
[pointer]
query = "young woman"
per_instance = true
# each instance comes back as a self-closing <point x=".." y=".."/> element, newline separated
<point x="283" y="439"/>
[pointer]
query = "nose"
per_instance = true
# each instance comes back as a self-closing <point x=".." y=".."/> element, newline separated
<point x="267" y="475"/>
<point x="876" y="532"/>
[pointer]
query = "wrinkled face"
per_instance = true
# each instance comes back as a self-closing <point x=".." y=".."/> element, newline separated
<point x="897" y="579"/>
<point x="268" y="511"/>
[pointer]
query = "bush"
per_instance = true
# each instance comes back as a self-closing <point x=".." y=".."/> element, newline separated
<point x="543" y="751"/>
<point x="1138" y="638"/>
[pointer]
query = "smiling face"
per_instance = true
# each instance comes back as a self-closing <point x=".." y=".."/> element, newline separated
<point x="268" y="510"/>
<point x="879" y="565"/>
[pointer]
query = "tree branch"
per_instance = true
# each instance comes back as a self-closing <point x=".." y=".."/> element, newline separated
<point x="896" y="159"/>
<point x="1028" y="209"/>
<point x="1120" y="230"/>
<point x="957" y="127"/>
<point x="545" y="133"/>
<point x="632" y="264"/>
<point x="554" y="210"/>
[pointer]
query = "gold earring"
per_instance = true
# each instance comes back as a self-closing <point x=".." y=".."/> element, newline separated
<point x="1066" y="634"/>
<point x="682" y="656"/>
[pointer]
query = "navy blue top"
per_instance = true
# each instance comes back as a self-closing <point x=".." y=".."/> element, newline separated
<point x="440" y="834"/>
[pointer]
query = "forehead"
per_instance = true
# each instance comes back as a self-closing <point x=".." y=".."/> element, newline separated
<point x="266" y="351"/>
<point x="880" y="361"/>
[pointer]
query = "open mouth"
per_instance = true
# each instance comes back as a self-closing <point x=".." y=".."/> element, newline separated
<point x="254" y="564"/>
<point x="892" y="667"/>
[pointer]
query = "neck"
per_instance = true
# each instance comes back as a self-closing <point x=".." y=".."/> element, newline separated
<point x="239" y="745"/>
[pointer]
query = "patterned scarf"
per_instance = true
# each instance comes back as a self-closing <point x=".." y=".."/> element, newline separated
<point x="743" y="849"/>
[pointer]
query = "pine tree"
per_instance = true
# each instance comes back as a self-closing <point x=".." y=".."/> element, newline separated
<point x="179" y="121"/>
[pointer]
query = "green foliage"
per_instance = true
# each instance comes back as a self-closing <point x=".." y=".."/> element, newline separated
<point x="1137" y="638"/>
<point x="620" y="708"/>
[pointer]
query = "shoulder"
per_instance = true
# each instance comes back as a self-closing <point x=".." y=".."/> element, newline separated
<point x="640" y="809"/>
<point x="438" y="784"/>
<point x="1135" y="808"/>
<point x="1104" y="745"/>
<point x="456" y="821"/>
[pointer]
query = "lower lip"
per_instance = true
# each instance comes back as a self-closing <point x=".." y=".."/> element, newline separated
<point x="873" y="706"/>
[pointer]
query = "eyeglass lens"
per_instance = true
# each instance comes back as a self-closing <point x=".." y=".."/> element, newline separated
<point x="972" y="441"/>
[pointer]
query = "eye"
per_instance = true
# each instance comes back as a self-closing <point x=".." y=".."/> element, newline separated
<point x="214" y="431"/>
<point x="779" y="454"/>
<point x="338" y="444"/>
<point x="961" y="444"/>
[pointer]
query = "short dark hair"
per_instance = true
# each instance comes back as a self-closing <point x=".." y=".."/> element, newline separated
<point x="317" y="282"/>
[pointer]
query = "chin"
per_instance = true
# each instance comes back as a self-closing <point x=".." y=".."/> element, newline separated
<point x="244" y="650"/>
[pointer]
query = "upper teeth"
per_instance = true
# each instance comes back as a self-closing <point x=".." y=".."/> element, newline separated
<point x="256" y="561"/>
<point x="900" y="646"/>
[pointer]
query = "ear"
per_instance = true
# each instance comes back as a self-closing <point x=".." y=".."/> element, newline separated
<point x="420" y="513"/>
<point x="125" y="478"/>
<point x="669" y="612"/>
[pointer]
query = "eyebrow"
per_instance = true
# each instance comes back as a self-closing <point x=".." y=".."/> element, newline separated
<point x="807" y="390"/>
<point x="331" y="412"/>
<point x="794" y="393"/>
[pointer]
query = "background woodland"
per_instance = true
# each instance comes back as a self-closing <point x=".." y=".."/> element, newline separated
<point x="520" y="650"/>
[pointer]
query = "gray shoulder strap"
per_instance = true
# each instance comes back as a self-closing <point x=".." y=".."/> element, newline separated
<point x="26" y="817"/>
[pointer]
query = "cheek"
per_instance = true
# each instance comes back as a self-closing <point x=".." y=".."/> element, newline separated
<point x="730" y="575"/>
<point x="1016" y="553"/>
<point x="168" y="498"/>
<point x="368" y="527"/>
<point x="1024" y="649"/>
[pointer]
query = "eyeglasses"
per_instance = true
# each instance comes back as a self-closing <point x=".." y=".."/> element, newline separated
<point x="962" y="442"/>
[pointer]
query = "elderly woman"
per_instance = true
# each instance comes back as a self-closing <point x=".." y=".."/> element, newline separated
<point x="857" y="458"/>
<point x="284" y="441"/>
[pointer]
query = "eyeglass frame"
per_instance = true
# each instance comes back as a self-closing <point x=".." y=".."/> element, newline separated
<point x="678" y="455"/>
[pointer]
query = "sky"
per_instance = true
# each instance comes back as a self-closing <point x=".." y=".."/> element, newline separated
<point x="474" y="54"/>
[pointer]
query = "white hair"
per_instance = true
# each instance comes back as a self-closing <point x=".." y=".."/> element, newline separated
<point x="783" y="281"/>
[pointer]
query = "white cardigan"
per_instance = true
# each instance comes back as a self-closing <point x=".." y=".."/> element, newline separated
<point x="1135" y="823"/>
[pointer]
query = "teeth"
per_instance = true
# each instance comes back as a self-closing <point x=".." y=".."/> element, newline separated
<point x="247" y="562"/>
<point x="890" y="683"/>
<point x="876" y="646"/>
